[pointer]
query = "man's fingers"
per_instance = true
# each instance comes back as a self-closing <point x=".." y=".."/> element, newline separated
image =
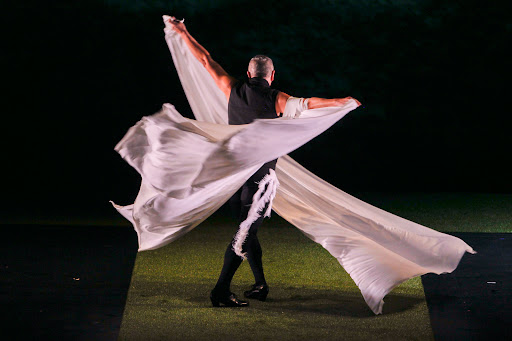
<point x="358" y="103"/>
<point x="349" y="98"/>
<point x="175" y="24"/>
<point x="176" y="21"/>
<point x="173" y="20"/>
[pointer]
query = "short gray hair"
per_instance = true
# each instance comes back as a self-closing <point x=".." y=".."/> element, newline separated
<point x="261" y="66"/>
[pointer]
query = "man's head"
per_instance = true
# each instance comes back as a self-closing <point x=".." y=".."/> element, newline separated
<point x="261" y="66"/>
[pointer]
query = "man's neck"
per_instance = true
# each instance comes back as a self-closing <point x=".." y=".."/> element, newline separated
<point x="260" y="80"/>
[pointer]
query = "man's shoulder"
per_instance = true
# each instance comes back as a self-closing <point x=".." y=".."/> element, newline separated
<point x="237" y="84"/>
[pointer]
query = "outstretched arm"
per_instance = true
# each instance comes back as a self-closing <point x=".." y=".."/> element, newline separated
<point x="219" y="75"/>
<point x="313" y="102"/>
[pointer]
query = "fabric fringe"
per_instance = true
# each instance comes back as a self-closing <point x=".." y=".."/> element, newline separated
<point x="267" y="189"/>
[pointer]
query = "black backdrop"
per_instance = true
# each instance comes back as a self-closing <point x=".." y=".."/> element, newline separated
<point x="432" y="76"/>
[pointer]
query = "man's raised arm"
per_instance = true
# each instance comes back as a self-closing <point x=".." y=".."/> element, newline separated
<point x="219" y="75"/>
<point x="309" y="103"/>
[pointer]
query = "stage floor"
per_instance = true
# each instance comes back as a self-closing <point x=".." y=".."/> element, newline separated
<point x="71" y="283"/>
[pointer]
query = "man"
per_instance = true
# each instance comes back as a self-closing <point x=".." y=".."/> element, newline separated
<point x="247" y="101"/>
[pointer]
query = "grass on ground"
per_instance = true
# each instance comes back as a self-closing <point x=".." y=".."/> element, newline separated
<point x="311" y="296"/>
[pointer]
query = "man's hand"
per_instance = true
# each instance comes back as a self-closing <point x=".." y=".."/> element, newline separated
<point x="177" y="25"/>
<point x="343" y="101"/>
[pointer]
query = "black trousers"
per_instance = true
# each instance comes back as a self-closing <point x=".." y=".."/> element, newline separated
<point x="240" y="204"/>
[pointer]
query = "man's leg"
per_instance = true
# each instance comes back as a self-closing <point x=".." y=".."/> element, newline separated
<point x="222" y="294"/>
<point x="254" y="253"/>
<point x="231" y="263"/>
<point x="252" y="245"/>
<point x="231" y="260"/>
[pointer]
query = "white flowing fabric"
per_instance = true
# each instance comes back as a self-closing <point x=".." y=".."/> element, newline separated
<point x="190" y="168"/>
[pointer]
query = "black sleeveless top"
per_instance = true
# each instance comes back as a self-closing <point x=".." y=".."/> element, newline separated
<point x="250" y="100"/>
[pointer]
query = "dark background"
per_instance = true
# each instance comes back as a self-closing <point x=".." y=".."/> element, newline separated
<point x="432" y="76"/>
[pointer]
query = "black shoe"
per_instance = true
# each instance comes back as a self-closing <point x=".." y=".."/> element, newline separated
<point x="258" y="292"/>
<point x="229" y="300"/>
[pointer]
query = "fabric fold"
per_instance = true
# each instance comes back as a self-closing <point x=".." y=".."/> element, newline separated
<point x="190" y="168"/>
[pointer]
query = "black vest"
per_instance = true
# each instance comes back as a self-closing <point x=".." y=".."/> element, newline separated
<point x="250" y="100"/>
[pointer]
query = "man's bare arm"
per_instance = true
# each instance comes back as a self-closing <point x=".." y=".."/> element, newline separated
<point x="281" y="102"/>
<point x="219" y="75"/>
<point x="313" y="102"/>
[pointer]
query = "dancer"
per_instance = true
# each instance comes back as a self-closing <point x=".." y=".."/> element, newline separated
<point x="249" y="100"/>
<point x="189" y="168"/>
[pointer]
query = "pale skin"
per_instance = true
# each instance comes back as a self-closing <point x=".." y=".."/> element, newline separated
<point x="225" y="82"/>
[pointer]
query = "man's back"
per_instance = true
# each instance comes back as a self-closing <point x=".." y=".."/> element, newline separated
<point x="250" y="100"/>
